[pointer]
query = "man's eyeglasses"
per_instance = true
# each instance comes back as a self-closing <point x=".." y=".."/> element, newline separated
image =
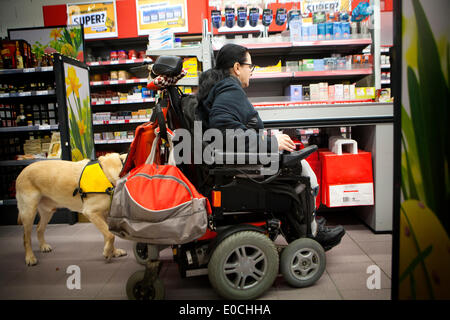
<point x="250" y="65"/>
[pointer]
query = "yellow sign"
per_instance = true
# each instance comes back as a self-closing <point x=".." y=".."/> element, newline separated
<point x="155" y="15"/>
<point x="98" y="18"/>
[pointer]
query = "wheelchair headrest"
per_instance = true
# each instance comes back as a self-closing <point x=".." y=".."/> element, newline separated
<point x="167" y="66"/>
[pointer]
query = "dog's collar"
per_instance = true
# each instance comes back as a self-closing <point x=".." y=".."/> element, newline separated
<point x="93" y="180"/>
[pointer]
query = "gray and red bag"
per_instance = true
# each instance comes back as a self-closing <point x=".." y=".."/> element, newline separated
<point x="157" y="204"/>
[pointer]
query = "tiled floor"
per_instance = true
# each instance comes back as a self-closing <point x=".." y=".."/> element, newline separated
<point x="82" y="245"/>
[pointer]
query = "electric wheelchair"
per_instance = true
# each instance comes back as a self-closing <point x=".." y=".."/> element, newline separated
<point x="249" y="210"/>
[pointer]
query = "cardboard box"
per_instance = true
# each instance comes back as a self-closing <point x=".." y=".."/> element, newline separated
<point x="295" y="92"/>
<point x="191" y="66"/>
<point x="323" y="91"/>
<point x="315" y="92"/>
<point x="338" y="92"/>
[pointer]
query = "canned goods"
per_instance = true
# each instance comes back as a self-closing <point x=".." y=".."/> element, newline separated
<point x="113" y="75"/>
<point x="123" y="75"/>
<point x="132" y="54"/>
<point x="113" y="55"/>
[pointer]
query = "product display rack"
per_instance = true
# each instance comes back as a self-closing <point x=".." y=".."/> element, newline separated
<point x="9" y="167"/>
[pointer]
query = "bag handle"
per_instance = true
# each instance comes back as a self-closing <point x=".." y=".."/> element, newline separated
<point x="152" y="155"/>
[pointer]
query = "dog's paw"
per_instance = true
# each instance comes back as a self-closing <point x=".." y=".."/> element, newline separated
<point x="46" y="248"/>
<point x="31" y="261"/>
<point x="119" y="253"/>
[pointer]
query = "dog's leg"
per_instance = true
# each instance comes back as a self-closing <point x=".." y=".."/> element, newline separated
<point x="27" y="205"/>
<point x="45" y="212"/>
<point x="108" y="250"/>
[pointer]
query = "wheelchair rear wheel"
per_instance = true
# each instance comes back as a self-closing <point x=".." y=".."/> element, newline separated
<point x="243" y="266"/>
<point x="302" y="262"/>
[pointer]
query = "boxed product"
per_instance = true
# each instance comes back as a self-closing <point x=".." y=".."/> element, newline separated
<point x="331" y="96"/>
<point x="346" y="92"/>
<point x="160" y="39"/>
<point x="306" y="93"/>
<point x="323" y="91"/>
<point x="295" y="92"/>
<point x="314" y="91"/>
<point x="291" y="66"/>
<point x="191" y="66"/>
<point x="352" y="92"/>
<point x="360" y="93"/>
<point x="370" y="92"/>
<point x="338" y="92"/>
<point x="308" y="65"/>
<point x="319" y="65"/>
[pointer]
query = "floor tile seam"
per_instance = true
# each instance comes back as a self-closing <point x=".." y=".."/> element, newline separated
<point x="374" y="262"/>
<point x="335" y="285"/>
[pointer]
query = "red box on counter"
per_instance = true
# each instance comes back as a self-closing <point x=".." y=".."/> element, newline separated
<point x="347" y="179"/>
<point x="314" y="162"/>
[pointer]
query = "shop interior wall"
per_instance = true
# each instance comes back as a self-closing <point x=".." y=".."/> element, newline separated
<point x="35" y="13"/>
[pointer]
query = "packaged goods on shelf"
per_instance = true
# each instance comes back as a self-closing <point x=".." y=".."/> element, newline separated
<point x="274" y="68"/>
<point x="314" y="92"/>
<point x="292" y="66"/>
<point x="161" y="39"/>
<point x="191" y="66"/>
<point x="383" y="95"/>
<point x="323" y="91"/>
<point x="295" y="92"/>
<point x="308" y="65"/>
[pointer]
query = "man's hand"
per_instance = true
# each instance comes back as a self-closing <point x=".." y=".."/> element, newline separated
<point x="285" y="142"/>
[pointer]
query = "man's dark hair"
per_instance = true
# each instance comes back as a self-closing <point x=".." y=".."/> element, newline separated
<point x="227" y="56"/>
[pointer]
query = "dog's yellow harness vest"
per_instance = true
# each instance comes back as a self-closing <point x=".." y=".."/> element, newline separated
<point x="93" y="180"/>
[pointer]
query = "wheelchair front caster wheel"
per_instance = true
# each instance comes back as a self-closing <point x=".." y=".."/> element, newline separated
<point x="303" y="262"/>
<point x="137" y="289"/>
<point x="140" y="251"/>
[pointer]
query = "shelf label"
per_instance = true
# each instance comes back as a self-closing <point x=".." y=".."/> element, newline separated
<point x="4" y="95"/>
<point x="25" y="94"/>
<point x="42" y="92"/>
<point x="44" y="127"/>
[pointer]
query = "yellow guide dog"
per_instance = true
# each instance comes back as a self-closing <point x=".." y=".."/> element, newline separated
<point x="45" y="186"/>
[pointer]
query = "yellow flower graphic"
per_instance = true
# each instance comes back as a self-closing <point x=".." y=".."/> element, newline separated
<point x="55" y="33"/>
<point x="72" y="82"/>
<point x="81" y="127"/>
<point x="67" y="50"/>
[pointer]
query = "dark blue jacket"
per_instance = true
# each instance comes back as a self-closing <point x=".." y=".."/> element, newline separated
<point x="227" y="107"/>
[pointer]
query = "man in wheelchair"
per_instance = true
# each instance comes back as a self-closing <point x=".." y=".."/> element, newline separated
<point x="290" y="193"/>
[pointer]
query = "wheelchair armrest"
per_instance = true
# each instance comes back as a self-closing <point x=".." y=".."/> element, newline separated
<point x="292" y="159"/>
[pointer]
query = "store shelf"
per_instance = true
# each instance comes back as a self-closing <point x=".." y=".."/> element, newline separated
<point x="125" y="121"/>
<point x="118" y="62"/>
<point x="113" y="102"/>
<point x="299" y="114"/>
<point x="188" y="82"/>
<point x="39" y="93"/>
<point x="284" y="44"/>
<point x="29" y="128"/>
<point x="113" y="141"/>
<point x="25" y="70"/>
<point x="8" y="163"/>
<point x="8" y="202"/>
<point x="183" y="51"/>
<point x="311" y="74"/>
<point x="116" y="82"/>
